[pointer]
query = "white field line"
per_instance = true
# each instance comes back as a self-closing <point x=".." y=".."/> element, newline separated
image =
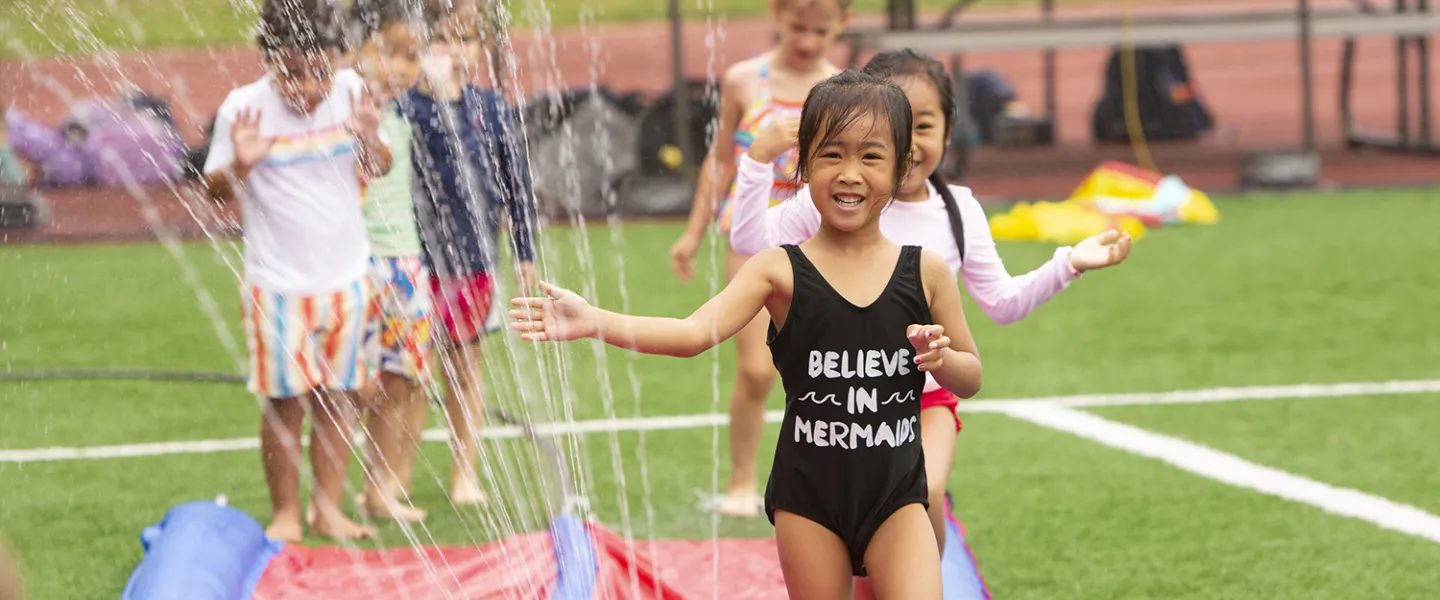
<point x="1232" y="470"/>
<point x="714" y="419"/>
<point x="1278" y="392"/>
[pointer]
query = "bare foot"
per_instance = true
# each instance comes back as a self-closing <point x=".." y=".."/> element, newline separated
<point x="285" y="530"/>
<point x="394" y="510"/>
<point x="339" y="528"/>
<point x="467" y="493"/>
<point x="739" y="504"/>
<point x="310" y="509"/>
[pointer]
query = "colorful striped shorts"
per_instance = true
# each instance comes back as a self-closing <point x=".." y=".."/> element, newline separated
<point x="298" y="343"/>
<point x="397" y="339"/>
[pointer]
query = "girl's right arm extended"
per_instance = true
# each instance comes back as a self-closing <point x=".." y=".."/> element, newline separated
<point x="564" y="315"/>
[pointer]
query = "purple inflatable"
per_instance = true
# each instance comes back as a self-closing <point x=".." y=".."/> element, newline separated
<point x="139" y="149"/>
<point x="100" y="143"/>
<point x="61" y="162"/>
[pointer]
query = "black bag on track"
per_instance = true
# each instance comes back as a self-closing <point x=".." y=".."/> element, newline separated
<point x="1170" y="105"/>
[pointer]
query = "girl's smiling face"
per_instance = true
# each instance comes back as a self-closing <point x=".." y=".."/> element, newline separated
<point x="928" y="138"/>
<point x="390" y="60"/>
<point x="808" y="29"/>
<point x="303" y="79"/>
<point x="852" y="174"/>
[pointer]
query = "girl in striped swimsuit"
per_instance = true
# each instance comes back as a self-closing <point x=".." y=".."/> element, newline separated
<point x="755" y="93"/>
<point x="763" y="111"/>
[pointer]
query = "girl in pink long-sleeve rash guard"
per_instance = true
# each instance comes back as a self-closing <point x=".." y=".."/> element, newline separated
<point x="943" y="219"/>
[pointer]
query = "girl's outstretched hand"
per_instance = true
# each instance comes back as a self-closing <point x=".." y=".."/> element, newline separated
<point x="1100" y="251"/>
<point x="560" y="316"/>
<point x="930" y="343"/>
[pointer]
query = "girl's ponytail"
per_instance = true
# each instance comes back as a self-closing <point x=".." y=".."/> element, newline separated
<point x="906" y="62"/>
<point x="952" y="208"/>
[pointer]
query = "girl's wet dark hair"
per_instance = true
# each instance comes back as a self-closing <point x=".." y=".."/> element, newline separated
<point x="839" y="101"/>
<point x="303" y="26"/>
<point x="893" y="64"/>
<point x="437" y="12"/>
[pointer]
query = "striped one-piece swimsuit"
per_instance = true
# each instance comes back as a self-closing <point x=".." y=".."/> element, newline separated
<point x="763" y="110"/>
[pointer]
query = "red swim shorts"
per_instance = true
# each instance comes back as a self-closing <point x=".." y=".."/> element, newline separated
<point x="941" y="397"/>
<point x="462" y="304"/>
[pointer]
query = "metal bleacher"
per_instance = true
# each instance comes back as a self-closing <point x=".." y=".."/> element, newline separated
<point x="1411" y="22"/>
<point x="1245" y="25"/>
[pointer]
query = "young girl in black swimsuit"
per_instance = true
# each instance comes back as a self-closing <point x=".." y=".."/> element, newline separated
<point x="857" y="322"/>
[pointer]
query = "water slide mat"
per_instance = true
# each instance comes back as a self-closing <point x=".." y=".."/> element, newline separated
<point x="206" y="551"/>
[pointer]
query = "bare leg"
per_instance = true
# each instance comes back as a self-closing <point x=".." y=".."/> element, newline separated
<point x="465" y="407"/>
<point x="937" y="436"/>
<point x="813" y="559"/>
<point x="333" y="415"/>
<point x="12" y="586"/>
<point x="902" y="562"/>
<point x="419" y="414"/>
<point x="754" y="377"/>
<point x="280" y="424"/>
<point x="370" y="399"/>
<point x="392" y="447"/>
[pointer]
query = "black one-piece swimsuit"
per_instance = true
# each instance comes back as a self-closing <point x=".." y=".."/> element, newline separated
<point x="849" y="453"/>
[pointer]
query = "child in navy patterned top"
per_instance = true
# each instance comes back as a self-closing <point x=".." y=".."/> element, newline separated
<point x="847" y="492"/>
<point x="470" y="166"/>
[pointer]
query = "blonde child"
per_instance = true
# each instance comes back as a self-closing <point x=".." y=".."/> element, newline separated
<point x="753" y="94"/>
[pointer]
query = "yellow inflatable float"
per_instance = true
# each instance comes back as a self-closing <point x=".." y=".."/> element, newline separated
<point x="1114" y="196"/>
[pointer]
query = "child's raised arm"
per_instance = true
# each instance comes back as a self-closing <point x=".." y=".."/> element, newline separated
<point x="754" y="224"/>
<point x="952" y="359"/>
<point x="563" y="315"/>
<point x="517" y="188"/>
<point x="1007" y="299"/>
<point x="236" y="146"/>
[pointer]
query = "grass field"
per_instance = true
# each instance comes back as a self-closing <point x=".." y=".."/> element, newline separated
<point x="43" y="27"/>
<point x="1287" y="289"/>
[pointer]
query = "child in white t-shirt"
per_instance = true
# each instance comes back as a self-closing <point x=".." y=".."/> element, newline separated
<point x="292" y="147"/>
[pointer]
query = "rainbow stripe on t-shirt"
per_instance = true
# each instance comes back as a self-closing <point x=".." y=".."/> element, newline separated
<point x="322" y="144"/>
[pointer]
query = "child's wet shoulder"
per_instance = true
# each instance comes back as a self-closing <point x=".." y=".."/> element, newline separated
<point x="242" y="97"/>
<point x="741" y="77"/>
<point x="348" y="80"/>
<point x="772" y="258"/>
<point x="934" y="271"/>
<point x="746" y="70"/>
<point x="771" y="264"/>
